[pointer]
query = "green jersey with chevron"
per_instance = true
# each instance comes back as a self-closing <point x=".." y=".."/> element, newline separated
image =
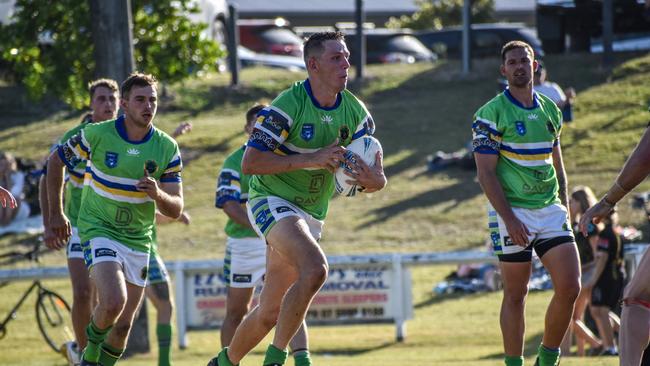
<point x="111" y="206"/>
<point x="75" y="181"/>
<point x="295" y="123"/>
<point x="232" y="185"/>
<point x="524" y="139"/>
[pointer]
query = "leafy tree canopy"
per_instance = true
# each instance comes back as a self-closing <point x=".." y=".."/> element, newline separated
<point x="436" y="14"/>
<point x="48" y="45"/>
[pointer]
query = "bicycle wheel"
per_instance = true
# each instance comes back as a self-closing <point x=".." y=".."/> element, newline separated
<point x="54" y="319"/>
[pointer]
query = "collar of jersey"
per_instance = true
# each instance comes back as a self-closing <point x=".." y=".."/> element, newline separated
<point x="315" y="102"/>
<point x="121" y="130"/>
<point x="516" y="102"/>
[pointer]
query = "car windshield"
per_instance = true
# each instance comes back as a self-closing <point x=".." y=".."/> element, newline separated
<point x="281" y="36"/>
<point x="406" y="43"/>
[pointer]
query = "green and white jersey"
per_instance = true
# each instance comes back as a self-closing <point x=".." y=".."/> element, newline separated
<point x="524" y="139"/>
<point x="295" y="123"/>
<point x="111" y="206"/>
<point x="75" y="182"/>
<point x="232" y="185"/>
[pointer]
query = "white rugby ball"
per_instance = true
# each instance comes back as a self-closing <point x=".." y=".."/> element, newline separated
<point x="365" y="148"/>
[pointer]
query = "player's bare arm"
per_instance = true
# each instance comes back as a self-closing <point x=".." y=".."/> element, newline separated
<point x="58" y="223"/>
<point x="371" y="178"/>
<point x="267" y="162"/>
<point x="486" y="165"/>
<point x="237" y="213"/>
<point x="560" y="173"/>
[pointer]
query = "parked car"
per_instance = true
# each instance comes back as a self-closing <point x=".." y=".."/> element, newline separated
<point x="269" y="36"/>
<point x="250" y="58"/>
<point x="486" y="39"/>
<point x="390" y="46"/>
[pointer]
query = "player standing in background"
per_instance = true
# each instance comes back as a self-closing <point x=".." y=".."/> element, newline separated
<point x="292" y="152"/>
<point x="516" y="142"/>
<point x="103" y="107"/>
<point x="132" y="169"/>
<point x="245" y="261"/>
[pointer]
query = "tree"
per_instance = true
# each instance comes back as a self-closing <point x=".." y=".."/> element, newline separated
<point x="443" y="13"/>
<point x="49" y="45"/>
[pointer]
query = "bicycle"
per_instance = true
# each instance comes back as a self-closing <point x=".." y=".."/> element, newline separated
<point x="52" y="311"/>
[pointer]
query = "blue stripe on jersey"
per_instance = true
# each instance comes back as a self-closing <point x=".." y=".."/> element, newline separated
<point x="121" y="130"/>
<point x="359" y="133"/>
<point x="109" y="184"/>
<point x="174" y="163"/>
<point x="258" y="146"/>
<point x="75" y="174"/>
<point x="339" y="98"/>
<point x="516" y="102"/>
<point x="547" y="150"/>
<point x="493" y="225"/>
<point x="171" y="179"/>
<point x="61" y="154"/>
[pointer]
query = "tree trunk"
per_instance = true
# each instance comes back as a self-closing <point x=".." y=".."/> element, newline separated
<point x="112" y="38"/>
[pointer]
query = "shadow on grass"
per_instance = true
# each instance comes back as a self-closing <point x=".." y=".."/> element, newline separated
<point x="530" y="348"/>
<point x="342" y="351"/>
<point x="438" y="299"/>
<point x="457" y="193"/>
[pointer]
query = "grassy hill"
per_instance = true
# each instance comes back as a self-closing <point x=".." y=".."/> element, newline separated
<point x="419" y="109"/>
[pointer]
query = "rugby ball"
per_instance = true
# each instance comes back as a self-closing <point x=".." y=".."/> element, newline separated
<point x="364" y="148"/>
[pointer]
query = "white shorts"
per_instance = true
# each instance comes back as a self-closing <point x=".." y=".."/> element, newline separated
<point x="245" y="262"/>
<point x="265" y="212"/>
<point x="548" y="227"/>
<point x="73" y="249"/>
<point x="134" y="264"/>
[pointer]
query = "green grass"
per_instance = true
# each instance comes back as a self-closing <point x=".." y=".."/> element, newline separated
<point x="458" y="331"/>
<point x="419" y="109"/>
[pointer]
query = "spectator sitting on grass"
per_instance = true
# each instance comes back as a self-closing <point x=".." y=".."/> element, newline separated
<point x="13" y="180"/>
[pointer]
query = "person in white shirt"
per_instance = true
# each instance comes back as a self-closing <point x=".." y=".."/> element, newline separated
<point x="562" y="98"/>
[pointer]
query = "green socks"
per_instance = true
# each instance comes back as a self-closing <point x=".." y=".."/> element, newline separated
<point x="514" y="360"/>
<point x="275" y="356"/>
<point x="95" y="337"/>
<point x="547" y="356"/>
<point x="164" y="334"/>
<point x="108" y="356"/>
<point x="222" y="358"/>
<point x="301" y="358"/>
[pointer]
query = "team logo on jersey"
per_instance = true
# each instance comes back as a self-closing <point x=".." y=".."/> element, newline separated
<point x="532" y="116"/>
<point x="150" y="166"/>
<point x="344" y="133"/>
<point x="550" y="128"/>
<point x="507" y="241"/>
<point x="496" y="239"/>
<point x="144" y="272"/>
<point x="110" y="159"/>
<point x="242" y="278"/>
<point x="327" y="119"/>
<point x="521" y="128"/>
<point x="133" y="151"/>
<point x="307" y="132"/>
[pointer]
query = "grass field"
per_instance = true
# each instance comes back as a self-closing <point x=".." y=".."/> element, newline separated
<point x="419" y="109"/>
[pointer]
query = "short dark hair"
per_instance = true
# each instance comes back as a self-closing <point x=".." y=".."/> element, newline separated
<point x="313" y="46"/>
<point x="514" y="45"/>
<point x="137" y="79"/>
<point x="253" y="111"/>
<point x="109" y="84"/>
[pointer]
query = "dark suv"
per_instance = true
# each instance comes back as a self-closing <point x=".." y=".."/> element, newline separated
<point x="269" y="36"/>
<point x="390" y="46"/>
<point x="486" y="39"/>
